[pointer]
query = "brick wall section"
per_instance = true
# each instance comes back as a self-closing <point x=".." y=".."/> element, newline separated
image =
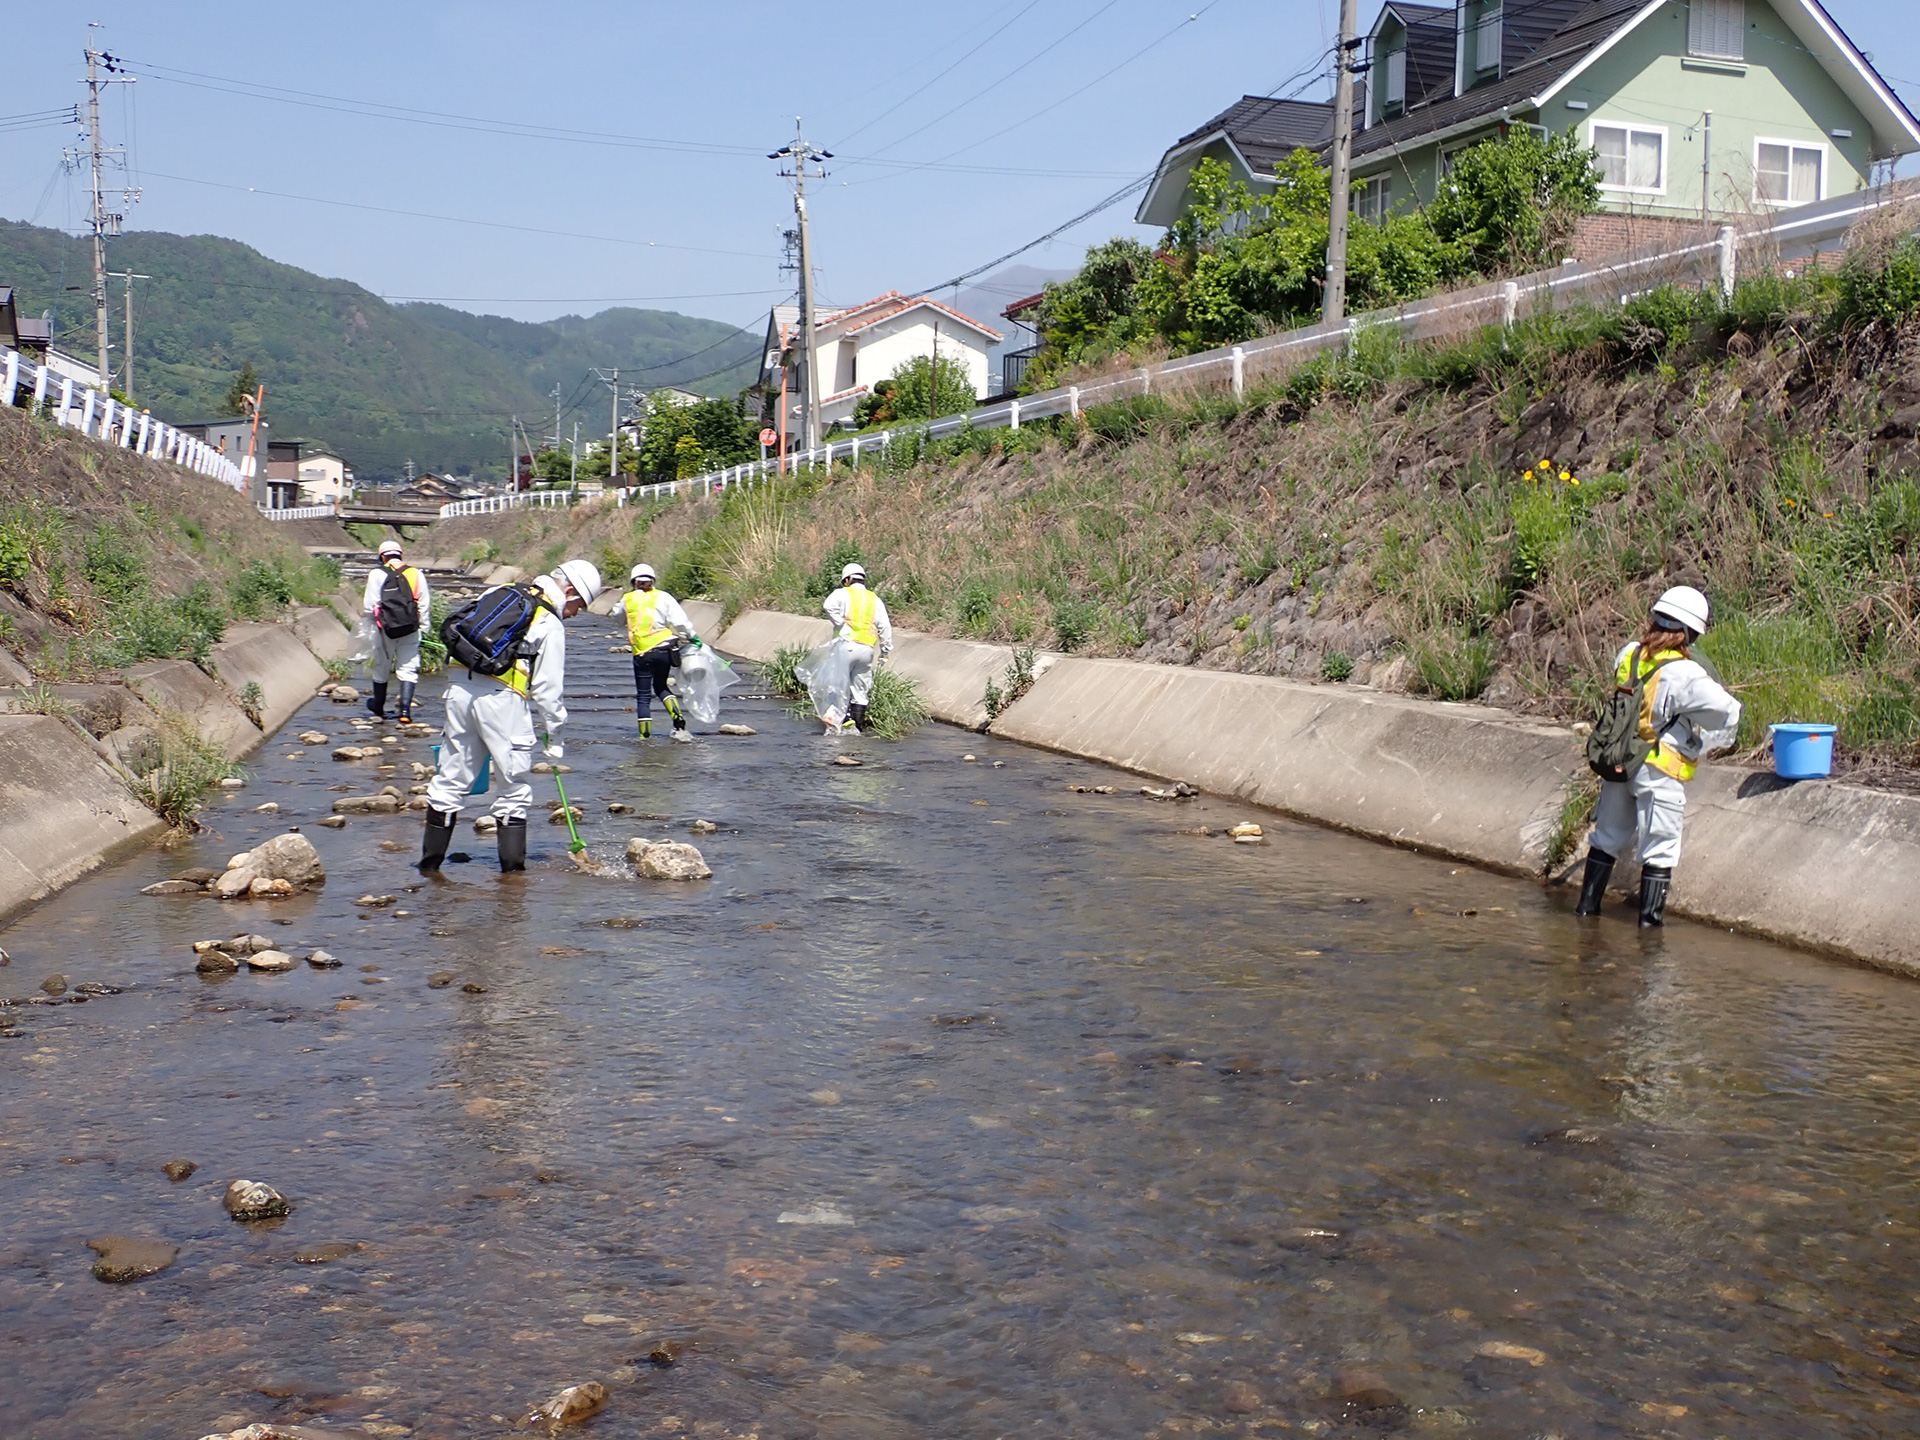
<point x="1599" y="237"/>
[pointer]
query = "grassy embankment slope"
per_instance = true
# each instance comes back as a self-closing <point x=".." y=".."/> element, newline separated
<point x="1387" y="518"/>
<point x="107" y="559"/>
<point x="381" y="383"/>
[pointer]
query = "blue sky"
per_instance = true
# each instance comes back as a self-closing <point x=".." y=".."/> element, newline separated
<point x="656" y="121"/>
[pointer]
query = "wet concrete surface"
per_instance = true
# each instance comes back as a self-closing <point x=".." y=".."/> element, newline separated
<point x="956" y="1104"/>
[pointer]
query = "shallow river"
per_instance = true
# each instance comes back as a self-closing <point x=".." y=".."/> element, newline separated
<point x="956" y="1104"/>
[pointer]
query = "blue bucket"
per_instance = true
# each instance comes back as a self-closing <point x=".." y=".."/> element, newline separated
<point x="1802" y="752"/>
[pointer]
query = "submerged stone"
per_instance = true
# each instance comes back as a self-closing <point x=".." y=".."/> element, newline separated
<point x="127" y="1257"/>
<point x="250" y="1200"/>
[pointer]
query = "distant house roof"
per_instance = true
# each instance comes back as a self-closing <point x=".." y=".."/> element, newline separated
<point x="857" y="318"/>
<point x="1024" y="304"/>
<point x="1260" y="130"/>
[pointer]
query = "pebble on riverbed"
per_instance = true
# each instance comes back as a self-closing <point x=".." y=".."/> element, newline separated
<point x="570" y="1406"/>
<point x="179" y="1168"/>
<point x="250" y="1200"/>
<point x="128" y="1257"/>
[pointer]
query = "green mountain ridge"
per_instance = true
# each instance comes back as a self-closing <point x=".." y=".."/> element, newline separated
<point x="380" y="383"/>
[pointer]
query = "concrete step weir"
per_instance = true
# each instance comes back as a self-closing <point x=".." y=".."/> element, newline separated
<point x="1822" y="865"/>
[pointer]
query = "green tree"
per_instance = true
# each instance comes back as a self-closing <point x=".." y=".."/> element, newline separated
<point x="723" y="434"/>
<point x="688" y="458"/>
<point x="551" y="464"/>
<point x="1514" y="203"/>
<point x="245" y="386"/>
<point x="593" y="460"/>
<point x="915" y="396"/>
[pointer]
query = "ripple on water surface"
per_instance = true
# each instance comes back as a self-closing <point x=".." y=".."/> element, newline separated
<point x="927" y="1116"/>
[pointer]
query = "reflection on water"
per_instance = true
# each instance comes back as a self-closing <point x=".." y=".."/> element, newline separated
<point x="934" y="1117"/>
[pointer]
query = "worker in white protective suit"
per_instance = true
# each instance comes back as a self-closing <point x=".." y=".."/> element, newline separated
<point x="860" y="617"/>
<point x="390" y="585"/>
<point x="1684" y="713"/>
<point x="489" y="715"/>
<point x="655" y="627"/>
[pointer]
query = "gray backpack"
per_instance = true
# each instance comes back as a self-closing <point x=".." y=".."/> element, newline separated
<point x="1615" y="750"/>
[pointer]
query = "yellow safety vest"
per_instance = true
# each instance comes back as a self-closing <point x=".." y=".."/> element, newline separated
<point x="861" y="605"/>
<point x="643" y="626"/>
<point x="1667" y="760"/>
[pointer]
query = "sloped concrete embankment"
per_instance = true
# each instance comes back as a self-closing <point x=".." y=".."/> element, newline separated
<point x="64" y="803"/>
<point x="1819" y="864"/>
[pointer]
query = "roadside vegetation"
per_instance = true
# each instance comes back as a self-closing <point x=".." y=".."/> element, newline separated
<point x="895" y="709"/>
<point x="1483" y="519"/>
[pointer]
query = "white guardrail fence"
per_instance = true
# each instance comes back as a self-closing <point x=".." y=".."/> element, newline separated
<point x="1781" y="239"/>
<point x="82" y="408"/>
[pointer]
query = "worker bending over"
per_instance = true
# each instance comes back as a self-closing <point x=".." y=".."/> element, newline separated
<point x="517" y="626"/>
<point x="860" y="616"/>
<point x="1684" y="711"/>
<point x="655" y="625"/>
<point x="397" y="603"/>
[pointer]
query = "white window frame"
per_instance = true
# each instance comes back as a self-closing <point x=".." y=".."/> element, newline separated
<point x="1371" y="199"/>
<point x="1488" y="32"/>
<point x="1826" y="163"/>
<point x="1602" y="123"/>
<point x="1739" y="31"/>
<point x="1396" y="76"/>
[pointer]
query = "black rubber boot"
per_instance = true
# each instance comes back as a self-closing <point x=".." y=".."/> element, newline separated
<point x="1654" y="880"/>
<point x="439" y="835"/>
<point x="513" y="845"/>
<point x="1593" y="889"/>
<point x="406" y="701"/>
<point x="377" y="702"/>
<point x="858" y="714"/>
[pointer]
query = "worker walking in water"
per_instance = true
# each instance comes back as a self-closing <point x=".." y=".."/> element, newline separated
<point x="397" y="603"/>
<point x="860" y="617"/>
<point x="514" y="649"/>
<point x="1667" y="710"/>
<point x="655" y="626"/>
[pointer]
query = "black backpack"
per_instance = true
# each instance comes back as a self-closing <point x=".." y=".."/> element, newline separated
<point x="399" y="612"/>
<point x="485" y="635"/>
<point x="1615" y="750"/>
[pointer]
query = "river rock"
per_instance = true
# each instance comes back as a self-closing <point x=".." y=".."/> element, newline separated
<point x="313" y="737"/>
<point x="326" y="1252"/>
<point x="272" y="962"/>
<point x="128" y="1257"/>
<point x="264" y="1431"/>
<point x="440" y="979"/>
<point x="233" y="782"/>
<point x="845" y="760"/>
<point x="179" y="1169"/>
<point x="1246" y="830"/>
<point x="666" y="1352"/>
<point x="333" y="822"/>
<point x="54" y="985"/>
<point x="616" y="808"/>
<point x="485" y="825"/>
<point x="1242" y="1398"/>
<point x="263" y="888"/>
<point x="703" y="827"/>
<point x="559" y="816"/>
<point x="374" y="902"/>
<point x="738" y="730"/>
<point x="666" y="860"/>
<point x="473" y="987"/>
<point x="323" y="960"/>
<point x="247" y="945"/>
<point x="344" y="694"/>
<point x="367" y="805"/>
<point x="216" y="962"/>
<point x="571" y="1405"/>
<point x="272" y="807"/>
<point x="250" y="1200"/>
<point x="352" y="752"/>
<point x="290" y="858"/>
<point x="174" y="887"/>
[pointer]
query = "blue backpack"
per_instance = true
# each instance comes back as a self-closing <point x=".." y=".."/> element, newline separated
<point x="485" y="635"/>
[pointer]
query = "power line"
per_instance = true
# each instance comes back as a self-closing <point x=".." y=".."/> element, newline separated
<point x="1087" y="214"/>
<point x="457" y="219"/>
<point x="936" y="79"/>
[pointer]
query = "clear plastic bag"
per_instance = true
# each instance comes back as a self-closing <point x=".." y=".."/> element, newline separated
<point x="825" y="674"/>
<point x="699" y="680"/>
<point x="363" y="642"/>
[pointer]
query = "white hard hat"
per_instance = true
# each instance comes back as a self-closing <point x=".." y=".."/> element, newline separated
<point x="641" y="572"/>
<point x="390" y="547"/>
<point x="855" y="571"/>
<point x="1684" y="605"/>
<point x="583" y="576"/>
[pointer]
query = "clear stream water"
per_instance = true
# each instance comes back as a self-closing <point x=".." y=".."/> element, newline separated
<point x="1123" y="1132"/>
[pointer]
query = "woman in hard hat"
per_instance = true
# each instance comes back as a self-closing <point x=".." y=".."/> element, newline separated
<point x="655" y="627"/>
<point x="1684" y="712"/>
<point x="397" y="604"/>
<point x="860" y="617"/>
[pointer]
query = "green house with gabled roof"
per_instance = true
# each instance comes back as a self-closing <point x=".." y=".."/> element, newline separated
<point x="1713" y="109"/>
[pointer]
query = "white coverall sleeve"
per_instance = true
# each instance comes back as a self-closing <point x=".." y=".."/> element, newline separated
<point x="883" y="627"/>
<point x="547" y="692"/>
<point x="674" y="618"/>
<point x="1705" y="717"/>
<point x="835" y="606"/>
<point x="426" y="601"/>
<point x="376" y="582"/>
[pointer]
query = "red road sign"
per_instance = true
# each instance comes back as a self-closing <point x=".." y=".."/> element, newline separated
<point x="769" y="437"/>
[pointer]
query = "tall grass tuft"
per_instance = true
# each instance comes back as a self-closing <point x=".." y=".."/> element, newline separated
<point x="176" y="788"/>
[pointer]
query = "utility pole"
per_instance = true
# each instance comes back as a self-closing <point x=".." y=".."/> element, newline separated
<point x="126" y="340"/>
<point x="933" y="389"/>
<point x="95" y="156"/>
<point x="800" y="155"/>
<point x="556" y="417"/>
<point x="1334" y="306"/>
<point x="573" y="473"/>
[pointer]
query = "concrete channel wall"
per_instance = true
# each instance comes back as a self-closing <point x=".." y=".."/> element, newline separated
<point x="65" y="809"/>
<point x="1821" y="864"/>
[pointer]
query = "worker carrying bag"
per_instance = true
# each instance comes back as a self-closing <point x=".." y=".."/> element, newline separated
<point x="1616" y="750"/>
<point x="485" y="634"/>
<point x="399" y="612"/>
